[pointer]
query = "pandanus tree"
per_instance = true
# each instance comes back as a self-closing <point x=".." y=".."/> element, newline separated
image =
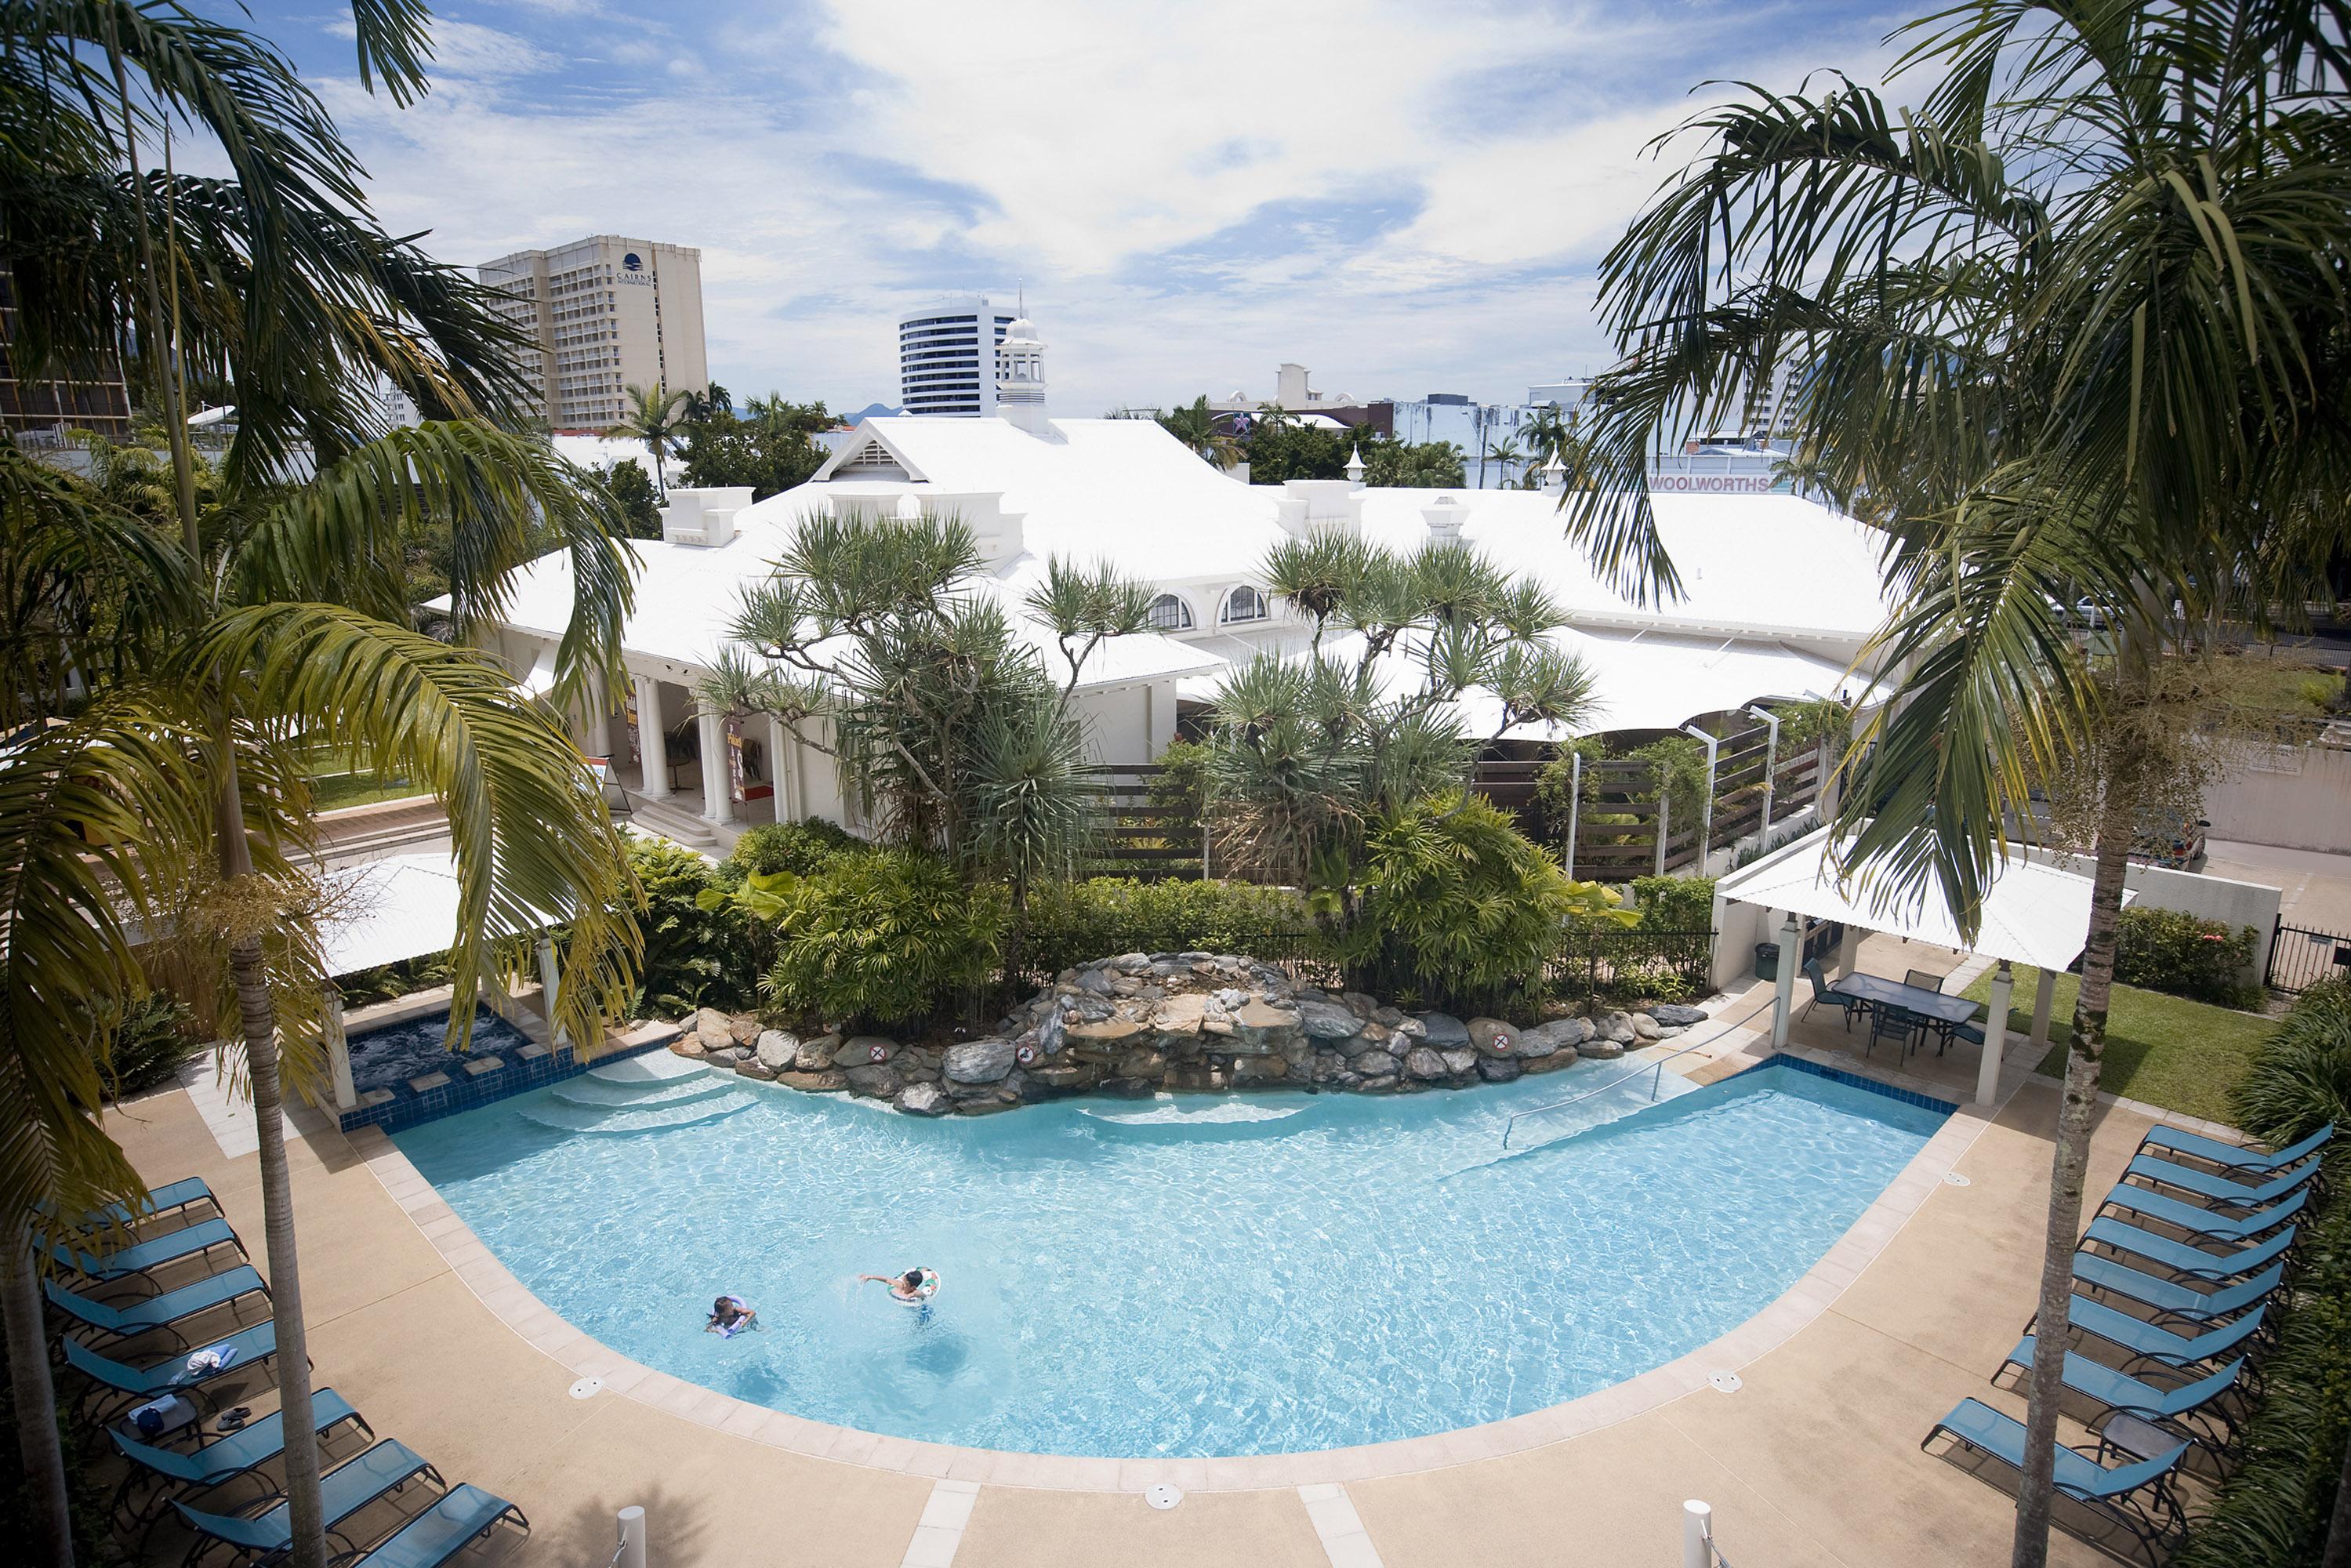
<point x="2076" y="325"/>
<point x="166" y="683"/>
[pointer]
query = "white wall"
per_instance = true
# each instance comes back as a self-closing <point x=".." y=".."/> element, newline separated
<point x="1128" y="725"/>
<point x="2295" y="797"/>
<point x="2233" y="904"/>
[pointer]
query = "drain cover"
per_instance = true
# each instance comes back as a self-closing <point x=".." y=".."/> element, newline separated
<point x="1953" y="1178"/>
<point x="1723" y="1382"/>
<point x="586" y="1388"/>
<point x="1162" y="1496"/>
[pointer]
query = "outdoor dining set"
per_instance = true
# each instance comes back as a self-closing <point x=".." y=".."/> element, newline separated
<point x="1908" y="1013"/>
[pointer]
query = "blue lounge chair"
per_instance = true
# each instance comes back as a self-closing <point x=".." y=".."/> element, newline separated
<point x="145" y="1256"/>
<point x="158" y="1311"/>
<point x="345" y="1490"/>
<point x="2233" y="1156"/>
<point x="254" y="1346"/>
<point x="2120" y="1391"/>
<point x="2204" y="1221"/>
<point x="2151" y="1344"/>
<point x="466" y="1515"/>
<point x="2102" y="1491"/>
<point x="2169" y="1297"/>
<point x="168" y="1198"/>
<point x="2187" y="1262"/>
<point x="224" y="1460"/>
<point x="2220" y="1189"/>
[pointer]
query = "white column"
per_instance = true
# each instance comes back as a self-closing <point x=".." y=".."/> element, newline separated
<point x="2045" y="996"/>
<point x="781" y="774"/>
<point x="1783" y="997"/>
<point x="632" y="1536"/>
<point x="717" y="795"/>
<point x="2003" y="984"/>
<point x="339" y="1047"/>
<point x="1697" y="1535"/>
<point x="649" y="738"/>
<point x="547" y="980"/>
<point x="1848" y="953"/>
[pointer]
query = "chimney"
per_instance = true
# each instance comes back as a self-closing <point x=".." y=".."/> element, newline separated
<point x="1290" y="387"/>
<point x="704" y="518"/>
<point x="1445" y="516"/>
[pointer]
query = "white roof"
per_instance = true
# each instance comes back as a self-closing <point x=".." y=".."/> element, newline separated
<point x="393" y="910"/>
<point x="600" y="452"/>
<point x="2032" y="913"/>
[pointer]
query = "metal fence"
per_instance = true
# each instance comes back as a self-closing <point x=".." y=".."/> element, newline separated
<point x="2301" y="958"/>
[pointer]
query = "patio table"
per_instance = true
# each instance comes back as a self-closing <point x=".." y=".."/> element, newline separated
<point x="1947" y="1011"/>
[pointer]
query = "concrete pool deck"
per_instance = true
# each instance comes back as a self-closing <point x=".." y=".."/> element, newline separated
<point x="1814" y="1460"/>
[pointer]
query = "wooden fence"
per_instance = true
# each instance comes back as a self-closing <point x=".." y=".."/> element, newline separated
<point x="1134" y="837"/>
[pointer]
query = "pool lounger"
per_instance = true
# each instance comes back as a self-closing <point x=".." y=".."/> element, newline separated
<point x="254" y="1346"/>
<point x="2204" y="1221"/>
<point x="225" y="1459"/>
<point x="2151" y="1345"/>
<point x="345" y="1490"/>
<point x="2186" y="1261"/>
<point x="2120" y="1391"/>
<point x="2170" y="1299"/>
<point x="158" y="1311"/>
<point x="168" y="1198"/>
<point x="2220" y="1189"/>
<point x="2097" y="1487"/>
<point x="144" y="1257"/>
<point x="2233" y="1156"/>
<point x="466" y="1515"/>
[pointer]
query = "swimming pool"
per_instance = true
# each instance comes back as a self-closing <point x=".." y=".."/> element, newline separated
<point x="389" y="1056"/>
<point x="1188" y="1278"/>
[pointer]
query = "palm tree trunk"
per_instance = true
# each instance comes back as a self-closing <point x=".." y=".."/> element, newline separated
<point x="2068" y="1173"/>
<point x="258" y="1014"/>
<point x="36" y="1410"/>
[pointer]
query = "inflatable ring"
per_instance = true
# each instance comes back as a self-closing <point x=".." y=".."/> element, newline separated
<point x="877" y="1053"/>
<point x="923" y="1293"/>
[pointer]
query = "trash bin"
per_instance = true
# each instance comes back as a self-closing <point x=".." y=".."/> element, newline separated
<point x="1766" y="960"/>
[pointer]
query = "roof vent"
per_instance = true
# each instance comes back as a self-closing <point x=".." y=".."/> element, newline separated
<point x="1445" y="516"/>
<point x="704" y="518"/>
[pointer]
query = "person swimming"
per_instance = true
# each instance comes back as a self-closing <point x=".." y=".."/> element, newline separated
<point x="914" y="1288"/>
<point x="730" y="1315"/>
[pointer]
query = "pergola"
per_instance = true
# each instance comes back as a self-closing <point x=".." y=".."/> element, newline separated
<point x="2032" y="913"/>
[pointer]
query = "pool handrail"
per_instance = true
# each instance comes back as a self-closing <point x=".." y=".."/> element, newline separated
<point x="1655" y="1084"/>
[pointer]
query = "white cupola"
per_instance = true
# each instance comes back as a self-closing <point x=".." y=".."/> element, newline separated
<point x="1554" y="474"/>
<point x="1021" y="377"/>
<point x="1355" y="465"/>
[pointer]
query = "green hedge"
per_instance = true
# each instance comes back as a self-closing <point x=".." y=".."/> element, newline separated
<point x="1674" y="903"/>
<point x="894" y="936"/>
<point x="1077" y="922"/>
<point x="2187" y="955"/>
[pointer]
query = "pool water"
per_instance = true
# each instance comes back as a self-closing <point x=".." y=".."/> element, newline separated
<point x="389" y="1056"/>
<point x="1188" y="1278"/>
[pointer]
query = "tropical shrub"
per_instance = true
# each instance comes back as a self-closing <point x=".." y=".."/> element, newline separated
<point x="368" y="986"/>
<point x="1182" y="785"/>
<point x="152" y="1038"/>
<point x="695" y="955"/>
<point x="1457" y="907"/>
<point x="1674" y="902"/>
<point x="800" y="847"/>
<point x="1555" y="792"/>
<point x="2165" y="950"/>
<point x="889" y="937"/>
<point x="2300" y="1080"/>
<point x="1076" y="922"/>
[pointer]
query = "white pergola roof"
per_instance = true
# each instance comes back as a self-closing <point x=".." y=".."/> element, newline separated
<point x="2032" y="913"/>
<point x="391" y="910"/>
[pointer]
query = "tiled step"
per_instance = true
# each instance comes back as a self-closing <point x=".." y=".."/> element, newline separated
<point x="685" y="1089"/>
<point x="649" y="1067"/>
<point x="626" y="1119"/>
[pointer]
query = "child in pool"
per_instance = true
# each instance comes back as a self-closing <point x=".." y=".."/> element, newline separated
<point x="730" y="1315"/>
<point x="912" y="1288"/>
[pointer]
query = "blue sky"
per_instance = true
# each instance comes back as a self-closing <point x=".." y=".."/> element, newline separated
<point x="1406" y="198"/>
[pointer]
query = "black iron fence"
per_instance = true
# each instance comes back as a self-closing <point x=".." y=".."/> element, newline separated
<point x="2301" y="958"/>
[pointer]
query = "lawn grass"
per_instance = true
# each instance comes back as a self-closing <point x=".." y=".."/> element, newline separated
<point x="2164" y="1050"/>
<point x="332" y="791"/>
<point x="2276" y="686"/>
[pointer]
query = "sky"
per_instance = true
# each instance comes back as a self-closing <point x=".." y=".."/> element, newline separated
<point x="1405" y="198"/>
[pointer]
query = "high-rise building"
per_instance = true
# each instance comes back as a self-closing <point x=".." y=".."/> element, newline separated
<point x="81" y="395"/>
<point x="946" y="356"/>
<point x="609" y="313"/>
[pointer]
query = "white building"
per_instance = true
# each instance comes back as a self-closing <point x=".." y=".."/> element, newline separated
<point x="1779" y="597"/>
<point x="608" y="313"/>
<point x="946" y="356"/>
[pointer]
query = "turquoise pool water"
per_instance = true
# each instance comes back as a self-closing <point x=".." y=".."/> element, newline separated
<point x="1189" y="1277"/>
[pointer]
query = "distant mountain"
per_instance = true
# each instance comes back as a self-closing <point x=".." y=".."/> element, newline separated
<point x="871" y="411"/>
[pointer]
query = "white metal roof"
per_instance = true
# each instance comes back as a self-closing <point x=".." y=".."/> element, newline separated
<point x="2032" y="913"/>
<point x="393" y="910"/>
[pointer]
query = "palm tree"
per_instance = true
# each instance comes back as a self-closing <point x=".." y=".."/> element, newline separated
<point x="1504" y="453"/>
<point x="2078" y="318"/>
<point x="658" y="418"/>
<point x="1195" y="424"/>
<point x="221" y="648"/>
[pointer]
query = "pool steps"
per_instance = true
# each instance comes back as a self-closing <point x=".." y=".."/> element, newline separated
<point x="640" y="1094"/>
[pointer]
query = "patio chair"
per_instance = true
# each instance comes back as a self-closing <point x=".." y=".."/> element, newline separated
<point x="254" y="1346"/>
<point x="467" y="1514"/>
<point x="2200" y="1220"/>
<point x="2102" y="1491"/>
<point x="1897" y="1024"/>
<point x="2170" y="1299"/>
<point x="2169" y="1407"/>
<point x="1925" y="979"/>
<point x="142" y="1258"/>
<point x="221" y="1460"/>
<point x="1822" y="992"/>
<point x="2220" y="1189"/>
<point x="345" y="1490"/>
<point x="2233" y="1156"/>
<point x="168" y="1198"/>
<point x="2150" y="1345"/>
<point x="158" y="1311"/>
<point x="2185" y="1261"/>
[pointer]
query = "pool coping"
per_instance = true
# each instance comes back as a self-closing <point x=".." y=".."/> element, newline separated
<point x="1812" y="1295"/>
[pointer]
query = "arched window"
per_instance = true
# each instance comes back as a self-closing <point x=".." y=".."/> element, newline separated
<point x="1244" y="603"/>
<point x="1169" y="613"/>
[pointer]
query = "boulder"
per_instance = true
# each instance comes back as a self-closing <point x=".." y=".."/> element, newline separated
<point x="1460" y="1061"/>
<point x="1128" y="1088"/>
<point x="1383" y="1083"/>
<point x="875" y="1081"/>
<point x="1443" y="1029"/>
<point x="923" y="1100"/>
<point x="865" y="1051"/>
<point x="1498" y="1069"/>
<point x="1142" y="1063"/>
<point x="981" y="1061"/>
<point x="1179" y="1015"/>
<point x="830" y="1081"/>
<point x="688" y="1044"/>
<point x="712" y="1023"/>
<point x="1563" y="1057"/>
<point x="752" y="1067"/>
<point x="1617" y="1027"/>
<point x="1599" y="1050"/>
<point x="776" y="1049"/>
<point x="726" y="1056"/>
<point x="745" y="1028"/>
<point x="815" y="1055"/>
<point x="1375" y="1064"/>
<point x="1425" y="1063"/>
<point x="1106" y="1033"/>
<point x="1322" y="1020"/>
<point x="1492" y="1037"/>
<point x="1547" y="1039"/>
<point x="1645" y="1027"/>
<point x="1357" y="1044"/>
<point x="1259" y="1070"/>
<point x="1675" y="1015"/>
